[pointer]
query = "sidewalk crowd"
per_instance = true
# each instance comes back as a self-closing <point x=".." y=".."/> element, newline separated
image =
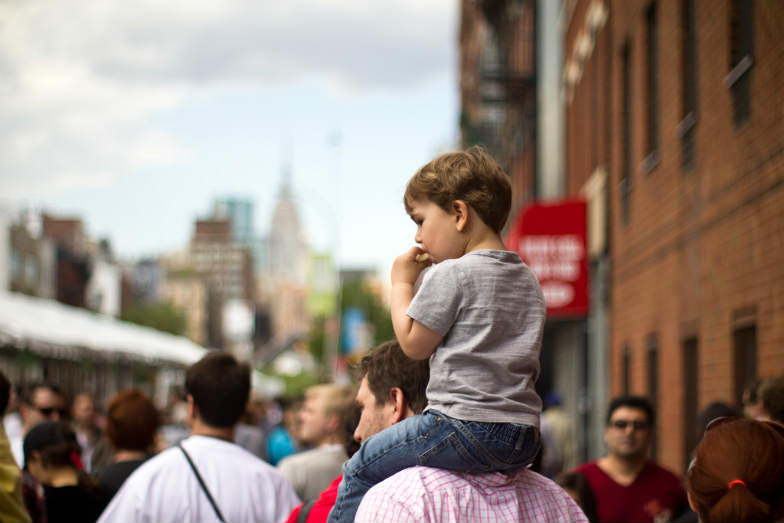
<point x="441" y="424"/>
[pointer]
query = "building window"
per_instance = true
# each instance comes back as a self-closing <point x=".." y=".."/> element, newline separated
<point x="625" y="186"/>
<point x="653" y="382"/>
<point x="689" y="84"/>
<point x="744" y="361"/>
<point x="626" y="362"/>
<point x="652" y="80"/>
<point x="738" y="80"/>
<point x="690" y="388"/>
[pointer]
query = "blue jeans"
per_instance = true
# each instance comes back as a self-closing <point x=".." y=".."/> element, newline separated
<point x="435" y="440"/>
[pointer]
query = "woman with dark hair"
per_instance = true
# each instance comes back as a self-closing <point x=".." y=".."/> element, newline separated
<point x="579" y="489"/>
<point x="51" y="454"/>
<point x="131" y="425"/>
<point x="738" y="472"/>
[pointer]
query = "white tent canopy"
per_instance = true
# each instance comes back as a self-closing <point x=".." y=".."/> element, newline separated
<point x="50" y="327"/>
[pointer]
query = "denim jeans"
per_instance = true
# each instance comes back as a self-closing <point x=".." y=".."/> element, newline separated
<point x="435" y="440"/>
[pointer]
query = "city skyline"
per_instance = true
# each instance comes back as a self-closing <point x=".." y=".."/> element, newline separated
<point x="136" y="131"/>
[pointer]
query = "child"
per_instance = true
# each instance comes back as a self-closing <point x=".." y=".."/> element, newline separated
<point x="478" y="315"/>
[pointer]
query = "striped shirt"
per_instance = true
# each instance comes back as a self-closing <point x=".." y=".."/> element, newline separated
<point x="425" y="494"/>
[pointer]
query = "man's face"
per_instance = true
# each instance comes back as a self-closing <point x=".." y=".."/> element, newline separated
<point x="46" y="405"/>
<point x="313" y="421"/>
<point x="83" y="409"/>
<point x="628" y="434"/>
<point x="374" y="417"/>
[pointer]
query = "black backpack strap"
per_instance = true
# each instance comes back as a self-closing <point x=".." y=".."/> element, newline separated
<point x="203" y="485"/>
<point x="304" y="512"/>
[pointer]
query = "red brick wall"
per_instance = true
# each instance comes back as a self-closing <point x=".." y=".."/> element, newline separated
<point x="700" y="245"/>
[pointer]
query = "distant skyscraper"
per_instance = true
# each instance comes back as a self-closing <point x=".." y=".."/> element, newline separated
<point x="287" y="247"/>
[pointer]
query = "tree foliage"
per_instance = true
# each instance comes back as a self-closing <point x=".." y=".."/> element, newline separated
<point x="162" y="316"/>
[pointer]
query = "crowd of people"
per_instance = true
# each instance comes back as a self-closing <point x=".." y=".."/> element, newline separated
<point x="443" y="424"/>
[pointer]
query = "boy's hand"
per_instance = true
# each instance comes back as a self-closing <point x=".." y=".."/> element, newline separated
<point x="406" y="268"/>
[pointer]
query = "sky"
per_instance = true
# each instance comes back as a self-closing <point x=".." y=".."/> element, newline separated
<point x="135" y="116"/>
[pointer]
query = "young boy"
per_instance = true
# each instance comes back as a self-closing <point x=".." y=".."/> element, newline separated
<point x="478" y="315"/>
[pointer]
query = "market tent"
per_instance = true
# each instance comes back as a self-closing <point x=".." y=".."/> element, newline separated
<point x="49" y="327"/>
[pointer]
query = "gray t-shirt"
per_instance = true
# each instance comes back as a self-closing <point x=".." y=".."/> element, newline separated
<point x="489" y="307"/>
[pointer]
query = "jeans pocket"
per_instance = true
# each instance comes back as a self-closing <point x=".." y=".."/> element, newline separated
<point x="450" y="453"/>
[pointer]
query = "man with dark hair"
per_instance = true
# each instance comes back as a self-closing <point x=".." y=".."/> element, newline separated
<point x="627" y="484"/>
<point x="39" y="402"/>
<point x="392" y="388"/>
<point x="12" y="506"/>
<point x="771" y="393"/>
<point x="207" y="477"/>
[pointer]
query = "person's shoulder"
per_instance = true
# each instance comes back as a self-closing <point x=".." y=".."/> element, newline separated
<point x="586" y="468"/>
<point x="661" y="473"/>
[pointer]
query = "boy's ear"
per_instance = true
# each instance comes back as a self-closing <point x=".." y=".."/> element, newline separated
<point x="460" y="208"/>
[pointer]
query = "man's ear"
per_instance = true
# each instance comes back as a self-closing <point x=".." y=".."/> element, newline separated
<point x="460" y="209"/>
<point x="398" y="402"/>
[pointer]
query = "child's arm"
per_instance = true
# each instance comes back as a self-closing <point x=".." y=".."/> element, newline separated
<point x="417" y="341"/>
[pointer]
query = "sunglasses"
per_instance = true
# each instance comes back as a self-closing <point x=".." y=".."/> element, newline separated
<point x="622" y="424"/>
<point x="48" y="411"/>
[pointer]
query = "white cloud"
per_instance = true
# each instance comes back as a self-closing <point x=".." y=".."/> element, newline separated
<point x="83" y="79"/>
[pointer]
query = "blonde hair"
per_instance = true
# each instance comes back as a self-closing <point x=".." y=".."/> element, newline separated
<point x="338" y="399"/>
<point x="472" y="176"/>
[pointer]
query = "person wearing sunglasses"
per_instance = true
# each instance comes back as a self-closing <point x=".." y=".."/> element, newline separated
<point x="737" y="473"/>
<point x="40" y="402"/>
<point x="627" y="484"/>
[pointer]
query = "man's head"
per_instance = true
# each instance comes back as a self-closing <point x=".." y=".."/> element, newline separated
<point x="323" y="413"/>
<point x="771" y="394"/>
<point x="472" y="176"/>
<point x="392" y="388"/>
<point x="83" y="409"/>
<point x="131" y="421"/>
<point x="629" y="428"/>
<point x="5" y="393"/>
<point x="42" y="402"/>
<point x="219" y="386"/>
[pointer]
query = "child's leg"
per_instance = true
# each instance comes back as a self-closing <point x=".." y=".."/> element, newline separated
<point x="393" y="449"/>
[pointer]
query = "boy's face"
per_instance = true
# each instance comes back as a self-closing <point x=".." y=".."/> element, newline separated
<point x="437" y="231"/>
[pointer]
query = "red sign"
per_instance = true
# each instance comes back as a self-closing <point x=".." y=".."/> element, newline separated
<point x="551" y="240"/>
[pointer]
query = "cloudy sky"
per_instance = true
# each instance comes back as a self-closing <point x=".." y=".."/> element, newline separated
<point x="136" y="115"/>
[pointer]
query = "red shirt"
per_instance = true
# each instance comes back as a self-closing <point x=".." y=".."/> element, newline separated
<point x="656" y="494"/>
<point x="322" y="506"/>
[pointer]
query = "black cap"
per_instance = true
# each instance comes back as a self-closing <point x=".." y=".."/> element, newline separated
<point x="45" y="434"/>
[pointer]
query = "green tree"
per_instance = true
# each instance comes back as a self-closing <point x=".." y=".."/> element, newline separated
<point x="162" y="316"/>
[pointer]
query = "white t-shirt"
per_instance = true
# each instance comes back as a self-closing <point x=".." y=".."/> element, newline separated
<point x="165" y="488"/>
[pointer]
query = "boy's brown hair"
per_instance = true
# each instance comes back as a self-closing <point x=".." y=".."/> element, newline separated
<point x="472" y="176"/>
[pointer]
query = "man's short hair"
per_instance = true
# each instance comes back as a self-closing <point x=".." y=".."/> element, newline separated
<point x="220" y="386"/>
<point x="771" y="392"/>
<point x="5" y="392"/>
<point x="337" y="398"/>
<point x="386" y="366"/>
<point x="131" y="420"/>
<point x="632" y="402"/>
<point x="472" y="176"/>
<point x="28" y="392"/>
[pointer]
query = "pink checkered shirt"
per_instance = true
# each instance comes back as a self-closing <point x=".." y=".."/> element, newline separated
<point x="423" y="494"/>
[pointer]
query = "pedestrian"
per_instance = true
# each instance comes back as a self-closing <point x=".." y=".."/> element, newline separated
<point x="207" y="477"/>
<point x="322" y="426"/>
<point x="392" y="389"/>
<point x="628" y="485"/>
<point x="52" y="455"/>
<point x="131" y="426"/>
<point x="580" y="490"/>
<point x="478" y="315"/>
<point x="84" y="423"/>
<point x="737" y="473"/>
<point x="12" y="507"/>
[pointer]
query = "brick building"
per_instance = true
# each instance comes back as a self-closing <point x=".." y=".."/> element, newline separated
<point x="680" y="103"/>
